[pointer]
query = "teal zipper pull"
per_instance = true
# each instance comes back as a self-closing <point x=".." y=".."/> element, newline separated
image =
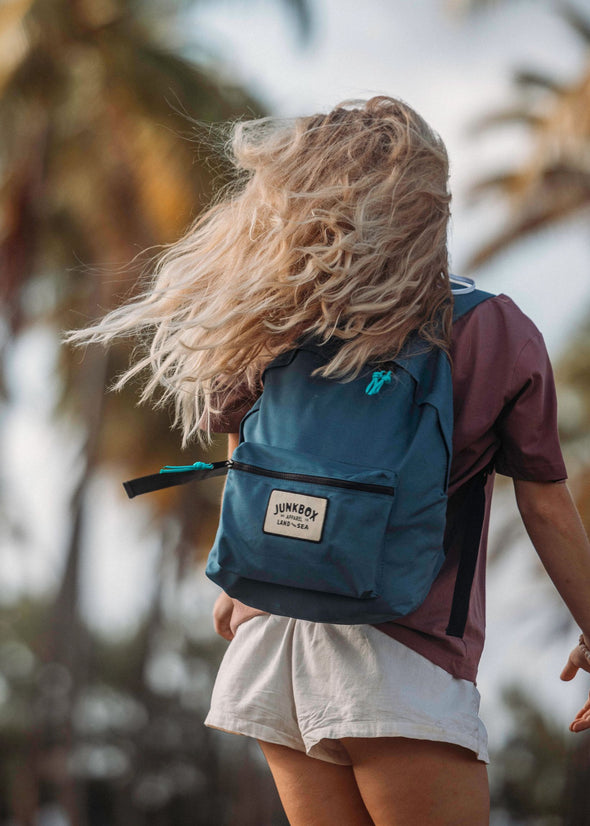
<point x="380" y="377"/>
<point x="183" y="468"/>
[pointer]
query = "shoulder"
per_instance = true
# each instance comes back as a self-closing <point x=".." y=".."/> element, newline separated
<point x="499" y="313"/>
<point x="497" y="347"/>
<point x="495" y="325"/>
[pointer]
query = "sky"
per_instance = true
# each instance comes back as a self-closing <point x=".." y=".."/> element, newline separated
<point x="453" y="69"/>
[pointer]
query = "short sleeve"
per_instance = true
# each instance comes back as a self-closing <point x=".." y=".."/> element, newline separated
<point x="527" y="427"/>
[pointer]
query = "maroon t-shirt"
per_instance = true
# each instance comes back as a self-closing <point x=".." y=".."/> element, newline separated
<point x="505" y="414"/>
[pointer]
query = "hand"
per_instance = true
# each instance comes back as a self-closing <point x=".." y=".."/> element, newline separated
<point x="581" y="721"/>
<point x="222" y="611"/>
<point x="577" y="660"/>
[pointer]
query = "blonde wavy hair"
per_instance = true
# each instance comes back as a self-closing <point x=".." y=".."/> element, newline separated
<point x="335" y="228"/>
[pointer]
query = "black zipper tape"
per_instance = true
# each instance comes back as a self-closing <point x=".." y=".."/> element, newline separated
<point x="319" y="480"/>
<point x="158" y="481"/>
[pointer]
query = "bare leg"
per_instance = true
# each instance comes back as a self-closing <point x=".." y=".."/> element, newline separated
<point x="407" y="782"/>
<point x="313" y="792"/>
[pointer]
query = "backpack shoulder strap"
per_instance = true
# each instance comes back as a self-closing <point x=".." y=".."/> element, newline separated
<point x="463" y="302"/>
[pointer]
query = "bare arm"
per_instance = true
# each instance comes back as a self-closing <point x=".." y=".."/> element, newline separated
<point x="223" y="608"/>
<point x="555" y="528"/>
<point x="232" y="443"/>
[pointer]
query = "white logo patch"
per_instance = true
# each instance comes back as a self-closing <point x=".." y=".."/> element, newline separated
<point x="295" y="515"/>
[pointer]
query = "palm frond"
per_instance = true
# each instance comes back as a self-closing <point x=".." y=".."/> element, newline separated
<point x="161" y="77"/>
<point x="532" y="78"/>
<point x="470" y="6"/>
<point x="506" y="117"/>
<point x="505" y="182"/>
<point x="579" y="21"/>
<point x="552" y="182"/>
<point x="302" y="13"/>
<point x="561" y="192"/>
<point x="12" y="11"/>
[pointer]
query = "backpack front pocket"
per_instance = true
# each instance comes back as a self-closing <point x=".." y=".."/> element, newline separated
<point x="290" y="518"/>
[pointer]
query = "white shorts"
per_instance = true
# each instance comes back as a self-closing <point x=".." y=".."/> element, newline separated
<point x="305" y="685"/>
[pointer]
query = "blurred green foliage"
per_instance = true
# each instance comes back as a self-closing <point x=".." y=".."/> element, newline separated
<point x="106" y="156"/>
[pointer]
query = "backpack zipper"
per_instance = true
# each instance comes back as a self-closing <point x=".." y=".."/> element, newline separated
<point x="320" y="480"/>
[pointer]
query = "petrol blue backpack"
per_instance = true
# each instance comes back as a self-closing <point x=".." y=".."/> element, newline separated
<point x="335" y="503"/>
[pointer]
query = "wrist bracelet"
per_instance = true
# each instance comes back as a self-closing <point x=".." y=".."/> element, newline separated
<point x="584" y="647"/>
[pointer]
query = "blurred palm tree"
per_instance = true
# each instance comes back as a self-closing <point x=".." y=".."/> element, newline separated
<point x="96" y="165"/>
<point x="549" y="186"/>
<point x="102" y="161"/>
<point x="97" y="162"/>
<point x="463" y="6"/>
<point x="529" y="774"/>
<point x="553" y="182"/>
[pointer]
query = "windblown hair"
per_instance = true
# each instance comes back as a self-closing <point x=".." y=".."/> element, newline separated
<point x="335" y="228"/>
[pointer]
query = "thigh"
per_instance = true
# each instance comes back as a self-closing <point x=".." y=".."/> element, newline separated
<point x="404" y="782"/>
<point x="314" y="792"/>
